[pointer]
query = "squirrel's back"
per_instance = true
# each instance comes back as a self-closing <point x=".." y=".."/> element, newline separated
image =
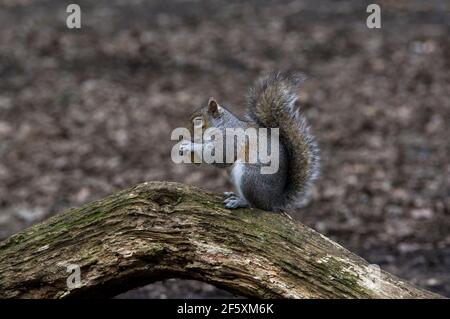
<point x="272" y="104"/>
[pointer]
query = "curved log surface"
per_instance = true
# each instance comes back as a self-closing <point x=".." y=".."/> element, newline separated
<point x="160" y="230"/>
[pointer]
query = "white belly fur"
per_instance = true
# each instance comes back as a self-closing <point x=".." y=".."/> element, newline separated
<point x="236" y="176"/>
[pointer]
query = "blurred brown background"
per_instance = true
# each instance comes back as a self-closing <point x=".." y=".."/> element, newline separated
<point x="85" y="113"/>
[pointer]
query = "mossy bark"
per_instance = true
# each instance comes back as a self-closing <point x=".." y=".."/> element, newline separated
<point x="163" y="230"/>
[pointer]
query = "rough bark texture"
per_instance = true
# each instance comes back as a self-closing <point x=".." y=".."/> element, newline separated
<point x="162" y="230"/>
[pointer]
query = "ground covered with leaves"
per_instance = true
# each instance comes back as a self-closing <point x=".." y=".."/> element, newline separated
<point x="85" y="113"/>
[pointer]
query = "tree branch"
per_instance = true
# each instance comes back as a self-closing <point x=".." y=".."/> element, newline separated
<point x="163" y="230"/>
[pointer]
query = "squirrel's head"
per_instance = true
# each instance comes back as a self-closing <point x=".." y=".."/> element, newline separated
<point x="211" y="115"/>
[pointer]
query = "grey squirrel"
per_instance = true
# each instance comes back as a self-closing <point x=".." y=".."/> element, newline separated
<point x="271" y="104"/>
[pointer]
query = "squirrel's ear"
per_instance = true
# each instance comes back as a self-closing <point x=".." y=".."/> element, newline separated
<point x="213" y="107"/>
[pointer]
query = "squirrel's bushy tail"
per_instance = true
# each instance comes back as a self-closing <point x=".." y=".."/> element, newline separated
<point x="272" y="105"/>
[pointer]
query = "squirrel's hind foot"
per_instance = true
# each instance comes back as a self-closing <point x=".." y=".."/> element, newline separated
<point x="234" y="202"/>
<point x="229" y="194"/>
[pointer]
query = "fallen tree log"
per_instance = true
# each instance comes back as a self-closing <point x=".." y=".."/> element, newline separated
<point x="162" y="230"/>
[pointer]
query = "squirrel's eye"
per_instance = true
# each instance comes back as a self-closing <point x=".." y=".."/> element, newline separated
<point x="198" y="122"/>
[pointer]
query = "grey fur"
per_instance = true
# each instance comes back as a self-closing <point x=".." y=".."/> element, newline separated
<point x="271" y="104"/>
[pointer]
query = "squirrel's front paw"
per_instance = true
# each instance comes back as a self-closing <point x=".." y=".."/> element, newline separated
<point x="234" y="202"/>
<point x="185" y="148"/>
